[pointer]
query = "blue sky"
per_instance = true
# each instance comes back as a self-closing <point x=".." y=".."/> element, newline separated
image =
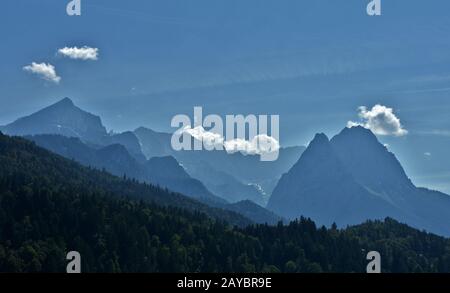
<point x="312" y="62"/>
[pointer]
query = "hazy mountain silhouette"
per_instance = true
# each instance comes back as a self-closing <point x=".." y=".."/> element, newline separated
<point x="224" y="184"/>
<point x="234" y="177"/>
<point x="353" y="178"/>
<point x="63" y="118"/>
<point x="153" y="143"/>
<point x="167" y="172"/>
<point x="113" y="158"/>
<point x="129" y="140"/>
<point x="253" y="179"/>
<point x="66" y="119"/>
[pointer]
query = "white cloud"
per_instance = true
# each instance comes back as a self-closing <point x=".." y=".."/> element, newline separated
<point x="45" y="71"/>
<point x="258" y="145"/>
<point x="427" y="154"/>
<point x="84" y="53"/>
<point x="381" y="120"/>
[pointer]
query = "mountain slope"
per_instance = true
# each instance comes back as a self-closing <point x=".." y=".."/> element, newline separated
<point x="20" y="155"/>
<point x="223" y="184"/>
<point x="164" y="171"/>
<point x="370" y="163"/>
<point x="319" y="186"/>
<point x="255" y="212"/>
<point x="115" y="159"/>
<point x="129" y="140"/>
<point x="353" y="178"/>
<point x="154" y="144"/>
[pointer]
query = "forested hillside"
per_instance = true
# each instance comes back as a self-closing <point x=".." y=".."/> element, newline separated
<point x="23" y="162"/>
<point x="49" y="206"/>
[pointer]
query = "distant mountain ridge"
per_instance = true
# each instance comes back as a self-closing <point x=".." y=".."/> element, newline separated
<point x="241" y="177"/>
<point x="352" y="178"/>
<point x="66" y="119"/>
<point x="62" y="118"/>
<point x="130" y="141"/>
<point x="235" y="177"/>
<point x="153" y="143"/>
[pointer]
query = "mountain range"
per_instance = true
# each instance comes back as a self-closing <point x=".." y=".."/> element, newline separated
<point x="346" y="180"/>
<point x="232" y="177"/>
<point x="121" y="154"/>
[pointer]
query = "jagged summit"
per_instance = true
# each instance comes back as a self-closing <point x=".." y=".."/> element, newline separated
<point x="368" y="160"/>
<point x="65" y="104"/>
<point x="357" y="131"/>
<point x="319" y="138"/>
<point x="319" y="146"/>
<point x="357" y="135"/>
<point x="352" y="178"/>
<point x="63" y="118"/>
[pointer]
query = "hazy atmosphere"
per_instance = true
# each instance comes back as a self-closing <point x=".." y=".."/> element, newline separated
<point x="110" y="110"/>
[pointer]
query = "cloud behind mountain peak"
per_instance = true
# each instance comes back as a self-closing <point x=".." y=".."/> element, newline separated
<point x="381" y="120"/>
